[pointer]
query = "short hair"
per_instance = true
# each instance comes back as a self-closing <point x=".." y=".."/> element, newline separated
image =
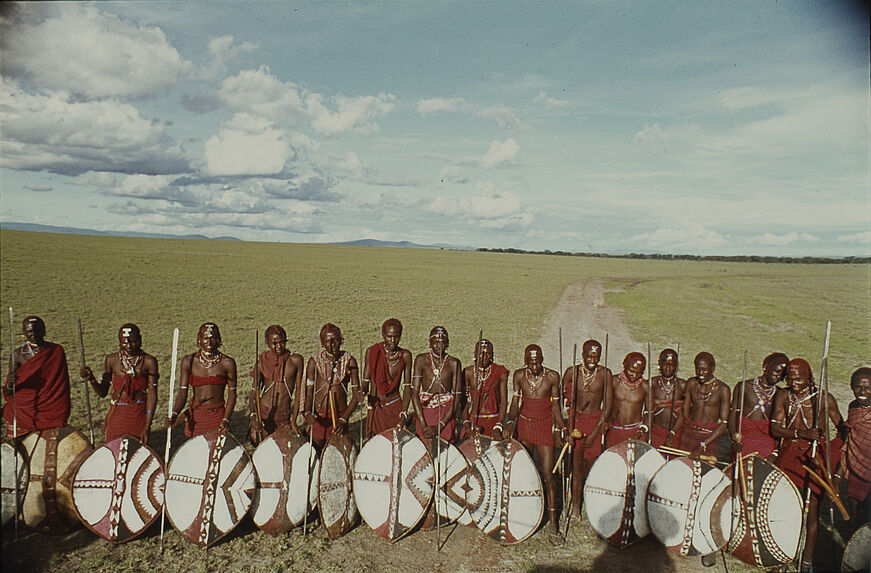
<point x="705" y="356"/>
<point x="668" y="351"/>
<point x="275" y="329"/>
<point x="436" y="330"/>
<point x="134" y="330"/>
<point x="775" y="357"/>
<point x="37" y="322"/>
<point x="633" y="357"/>
<point x="864" y="371"/>
<point x="803" y="368"/>
<point x="590" y="344"/>
<point x="206" y="326"/>
<point x="391" y="322"/>
<point x="330" y="327"/>
<point x="531" y="348"/>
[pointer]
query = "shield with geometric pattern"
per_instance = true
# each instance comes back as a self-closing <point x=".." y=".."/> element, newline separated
<point x="13" y="493"/>
<point x="335" y="485"/>
<point x="118" y="489"/>
<point x="472" y="448"/>
<point x="209" y="485"/>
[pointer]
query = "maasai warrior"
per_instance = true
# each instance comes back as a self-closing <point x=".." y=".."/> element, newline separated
<point x="486" y="394"/>
<point x="759" y="394"/>
<point x="629" y="390"/>
<point x="385" y="366"/>
<point x="594" y="397"/>
<point x="668" y="396"/>
<point x="279" y="373"/>
<point x="434" y="384"/>
<point x="207" y="371"/>
<point x="856" y="463"/>
<point x="535" y="398"/>
<point x="41" y="381"/>
<point x="705" y="408"/>
<point x="132" y="375"/>
<point x="332" y="387"/>
<point x="792" y="420"/>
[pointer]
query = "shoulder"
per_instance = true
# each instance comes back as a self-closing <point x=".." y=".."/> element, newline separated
<point x="296" y="358"/>
<point x="406" y="353"/>
<point x="228" y="361"/>
<point x="149" y="360"/>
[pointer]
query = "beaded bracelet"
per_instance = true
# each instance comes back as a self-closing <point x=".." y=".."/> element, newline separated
<point x="149" y="412"/>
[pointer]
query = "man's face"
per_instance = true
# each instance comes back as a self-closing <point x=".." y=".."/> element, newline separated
<point x="391" y="336"/>
<point x="438" y="343"/>
<point x="33" y="332"/>
<point x="704" y="370"/>
<point x="862" y="389"/>
<point x="635" y="370"/>
<point x="796" y="379"/>
<point x="485" y="355"/>
<point x="533" y="360"/>
<point x="277" y="343"/>
<point x="208" y="340"/>
<point x="332" y="342"/>
<point x="667" y="365"/>
<point x="591" y="356"/>
<point x="130" y="341"/>
<point x="775" y="371"/>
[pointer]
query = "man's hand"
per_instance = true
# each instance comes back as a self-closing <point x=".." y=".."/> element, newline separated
<point x="429" y="432"/>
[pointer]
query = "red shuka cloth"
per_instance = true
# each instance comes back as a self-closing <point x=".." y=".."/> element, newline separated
<point x="619" y="434"/>
<point x="794" y="453"/>
<point x="858" y="489"/>
<point x="434" y="407"/>
<point x="203" y="417"/>
<point x="535" y="423"/>
<point x="694" y="433"/>
<point x="488" y="395"/>
<point x="322" y="428"/>
<point x="42" y="394"/>
<point x="755" y="437"/>
<point x="383" y="415"/>
<point x="379" y="370"/>
<point x="859" y="443"/>
<point x="660" y="435"/>
<point x="585" y="422"/>
<point x="126" y="415"/>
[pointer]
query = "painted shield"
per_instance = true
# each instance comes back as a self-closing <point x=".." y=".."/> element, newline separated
<point x="393" y="482"/>
<point x="512" y="502"/>
<point x="768" y="526"/>
<point x="209" y="485"/>
<point x="857" y="554"/>
<point x="615" y="493"/>
<point x="118" y="489"/>
<point x="472" y="449"/>
<point x="335" y="490"/>
<point x="54" y="456"/>
<point x="689" y="507"/>
<point x="450" y="486"/>
<point x="285" y="463"/>
<point x="10" y="499"/>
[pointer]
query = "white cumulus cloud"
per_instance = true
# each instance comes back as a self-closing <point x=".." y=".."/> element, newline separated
<point x="504" y="117"/>
<point x="247" y="145"/>
<point x="863" y="238"/>
<point x="692" y="237"/>
<point x="549" y="101"/>
<point x="785" y="239"/>
<point x="436" y="104"/>
<point x="500" y="152"/>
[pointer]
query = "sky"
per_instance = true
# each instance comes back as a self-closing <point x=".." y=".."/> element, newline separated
<point x="710" y="128"/>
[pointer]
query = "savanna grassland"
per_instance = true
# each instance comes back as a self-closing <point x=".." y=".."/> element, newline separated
<point x="161" y="284"/>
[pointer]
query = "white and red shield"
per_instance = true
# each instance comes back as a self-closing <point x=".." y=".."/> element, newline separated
<point x="118" y="489"/>
<point x="615" y="493"/>
<point x="393" y="482"/>
<point x="450" y="483"/>
<point x="335" y="485"/>
<point x="472" y="448"/>
<point x="209" y="484"/>
<point x="13" y="490"/>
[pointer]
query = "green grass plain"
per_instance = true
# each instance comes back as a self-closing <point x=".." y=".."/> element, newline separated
<point x="161" y="284"/>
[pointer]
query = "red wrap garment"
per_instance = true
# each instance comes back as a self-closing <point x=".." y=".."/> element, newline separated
<point x="585" y="423"/>
<point x="859" y="453"/>
<point x="694" y="433"/>
<point x="384" y="414"/>
<point x="486" y="414"/>
<point x="435" y="406"/>
<point x="619" y="434"/>
<point x="535" y="423"/>
<point x="755" y="437"/>
<point x="204" y="416"/>
<point x="42" y="391"/>
<point x="127" y="412"/>
<point x="272" y="367"/>
<point x="660" y="433"/>
<point x="793" y="453"/>
<point x="322" y="428"/>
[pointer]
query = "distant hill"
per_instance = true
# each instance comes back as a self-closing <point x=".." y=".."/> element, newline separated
<point x="77" y="231"/>
<point x="400" y="244"/>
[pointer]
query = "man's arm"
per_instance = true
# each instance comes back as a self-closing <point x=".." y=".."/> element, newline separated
<point x="231" y="394"/>
<point x="415" y="390"/>
<point x="151" y="370"/>
<point x="733" y="416"/>
<point x="182" y="395"/>
<point x="295" y="385"/>
<point x="514" y="410"/>
<point x="555" y="411"/>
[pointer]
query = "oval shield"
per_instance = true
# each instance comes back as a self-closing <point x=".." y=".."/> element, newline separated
<point x="13" y="490"/>
<point x="335" y="485"/>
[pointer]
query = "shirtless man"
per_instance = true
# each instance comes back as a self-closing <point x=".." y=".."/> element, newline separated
<point x="277" y="374"/>
<point x="132" y="375"/>
<point x="594" y="397"/>
<point x="332" y="387"/>
<point x="385" y="366"/>
<point x="668" y="396"/>
<point x="629" y="405"/>
<point x="759" y="394"/>
<point x="705" y="409"/>
<point x="537" y="388"/>
<point x="207" y="371"/>
<point x="434" y="384"/>
<point x="792" y="420"/>
<point x="39" y="380"/>
<point x="486" y="394"/>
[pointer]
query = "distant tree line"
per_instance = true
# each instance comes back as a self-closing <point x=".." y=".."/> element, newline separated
<point x="722" y="258"/>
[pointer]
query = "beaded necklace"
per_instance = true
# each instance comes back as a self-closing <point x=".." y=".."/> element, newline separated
<point x="30" y="349"/>
<point x="667" y="388"/>
<point x="628" y="383"/>
<point x="436" y="372"/>
<point x="484" y="373"/>
<point x="393" y="358"/>
<point x="588" y="376"/>
<point x="129" y="365"/>
<point x="536" y="380"/>
<point x="208" y="360"/>
<point x="798" y="404"/>
<point x="765" y="395"/>
<point x="710" y="385"/>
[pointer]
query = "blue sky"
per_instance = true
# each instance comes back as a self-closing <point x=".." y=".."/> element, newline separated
<point x="685" y="127"/>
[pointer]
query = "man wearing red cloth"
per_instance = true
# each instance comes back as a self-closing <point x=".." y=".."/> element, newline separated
<point x="278" y="374"/>
<point x="385" y="365"/>
<point x="792" y="420"/>
<point x="37" y="388"/>
<point x="759" y="394"/>
<point x="705" y="409"/>
<point x="594" y="397"/>
<point x="332" y="387"/>
<point x="486" y="394"/>
<point x="535" y="401"/>
<point x="208" y="371"/>
<point x="668" y="396"/>
<point x="856" y="463"/>
<point x="434" y="385"/>
<point x="132" y="376"/>
<point x="629" y="391"/>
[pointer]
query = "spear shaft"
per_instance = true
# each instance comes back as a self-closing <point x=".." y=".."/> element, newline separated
<point x="87" y="384"/>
